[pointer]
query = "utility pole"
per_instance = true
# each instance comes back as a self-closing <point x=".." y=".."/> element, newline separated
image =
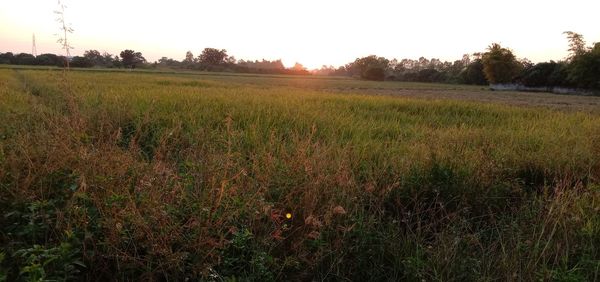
<point x="33" y="47"/>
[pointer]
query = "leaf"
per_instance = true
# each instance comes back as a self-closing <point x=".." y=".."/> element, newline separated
<point x="79" y="263"/>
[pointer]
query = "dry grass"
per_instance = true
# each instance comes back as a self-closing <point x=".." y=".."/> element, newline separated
<point x="163" y="176"/>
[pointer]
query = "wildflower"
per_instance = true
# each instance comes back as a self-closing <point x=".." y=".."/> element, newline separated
<point x="288" y="215"/>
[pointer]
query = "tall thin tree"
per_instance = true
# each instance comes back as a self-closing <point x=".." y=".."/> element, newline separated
<point x="65" y="29"/>
<point x="576" y="44"/>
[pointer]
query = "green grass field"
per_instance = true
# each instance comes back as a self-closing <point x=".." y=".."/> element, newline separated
<point x="168" y="176"/>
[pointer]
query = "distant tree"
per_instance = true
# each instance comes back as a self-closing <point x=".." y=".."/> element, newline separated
<point x="127" y="57"/>
<point x="473" y="73"/>
<point x="584" y="69"/>
<point x="164" y="61"/>
<point x="189" y="60"/>
<point x="7" y="58"/>
<point x="429" y="75"/>
<point x="423" y="63"/>
<point x="525" y="63"/>
<point x="81" y="62"/>
<point x="466" y="60"/>
<point x="276" y="65"/>
<point x="324" y="70"/>
<point x="374" y="73"/>
<point x="298" y="67"/>
<point x="547" y="74"/>
<point x="49" y="60"/>
<point x="451" y="72"/>
<point x="24" y="59"/>
<point x="340" y="71"/>
<point x="262" y="66"/>
<point x="131" y="59"/>
<point x="401" y="66"/>
<point x="576" y="44"/>
<point x="500" y="64"/>
<point x="189" y="57"/>
<point x="560" y="76"/>
<point x="231" y="60"/>
<point x="370" y="67"/>
<point x="116" y="62"/>
<point x="94" y="57"/>
<point x="212" y="57"/>
<point x="108" y="59"/>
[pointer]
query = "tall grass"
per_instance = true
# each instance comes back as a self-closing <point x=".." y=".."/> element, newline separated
<point x="158" y="177"/>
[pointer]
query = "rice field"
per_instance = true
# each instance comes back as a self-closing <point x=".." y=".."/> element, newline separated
<point x="222" y="177"/>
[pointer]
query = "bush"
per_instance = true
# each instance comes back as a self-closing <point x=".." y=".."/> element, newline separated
<point x="33" y="249"/>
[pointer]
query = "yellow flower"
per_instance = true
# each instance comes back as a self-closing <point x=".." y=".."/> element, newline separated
<point x="288" y="215"/>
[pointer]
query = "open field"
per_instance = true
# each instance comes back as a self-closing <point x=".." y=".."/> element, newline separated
<point x="167" y="176"/>
<point x="434" y="91"/>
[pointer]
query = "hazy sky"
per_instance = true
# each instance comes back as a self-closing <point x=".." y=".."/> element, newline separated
<point x="310" y="32"/>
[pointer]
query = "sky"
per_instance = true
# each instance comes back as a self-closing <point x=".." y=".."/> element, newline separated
<point x="311" y="32"/>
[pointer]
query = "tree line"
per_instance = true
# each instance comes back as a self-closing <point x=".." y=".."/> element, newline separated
<point x="497" y="65"/>
<point x="210" y="59"/>
<point x="91" y="58"/>
<point x="468" y="69"/>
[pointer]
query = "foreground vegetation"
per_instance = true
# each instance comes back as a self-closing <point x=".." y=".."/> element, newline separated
<point x="165" y="177"/>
